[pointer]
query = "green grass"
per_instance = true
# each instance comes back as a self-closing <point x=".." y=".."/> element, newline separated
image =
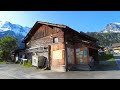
<point x="2" y="62"/>
<point x="108" y="58"/>
<point x="105" y="57"/>
<point x="28" y="64"/>
<point x="112" y="61"/>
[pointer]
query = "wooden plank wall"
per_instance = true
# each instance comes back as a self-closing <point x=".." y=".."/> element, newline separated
<point x="58" y="63"/>
<point x="43" y="36"/>
<point x="72" y="52"/>
<point x="82" y="46"/>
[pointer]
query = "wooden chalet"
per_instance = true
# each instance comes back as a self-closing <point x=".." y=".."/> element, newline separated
<point x="63" y="47"/>
<point x="116" y="47"/>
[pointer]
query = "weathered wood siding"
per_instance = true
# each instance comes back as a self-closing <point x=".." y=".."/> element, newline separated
<point x="42" y="37"/>
<point x="82" y="47"/>
<point x="58" y="57"/>
<point x="70" y="54"/>
<point x="74" y="40"/>
<point x="68" y="51"/>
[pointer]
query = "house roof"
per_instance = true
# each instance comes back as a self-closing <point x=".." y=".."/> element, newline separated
<point x="87" y="36"/>
<point x="116" y="45"/>
<point x="56" y="25"/>
<point x="39" y="23"/>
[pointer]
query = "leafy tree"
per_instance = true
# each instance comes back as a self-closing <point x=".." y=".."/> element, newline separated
<point x="7" y="45"/>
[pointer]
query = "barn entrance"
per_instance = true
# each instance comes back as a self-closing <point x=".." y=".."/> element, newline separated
<point x="70" y="55"/>
<point x="57" y="57"/>
<point x="94" y="54"/>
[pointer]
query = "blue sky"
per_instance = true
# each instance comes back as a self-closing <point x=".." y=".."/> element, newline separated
<point x="86" y="21"/>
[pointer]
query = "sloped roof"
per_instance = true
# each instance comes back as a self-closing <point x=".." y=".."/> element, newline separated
<point x="38" y="23"/>
<point x="56" y="25"/>
<point x="87" y="36"/>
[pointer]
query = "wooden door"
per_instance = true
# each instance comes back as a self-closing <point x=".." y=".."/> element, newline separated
<point x="70" y="55"/>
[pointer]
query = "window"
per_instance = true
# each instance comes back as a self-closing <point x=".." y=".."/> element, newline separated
<point x="85" y="52"/>
<point x="55" y="40"/>
<point x="79" y="54"/>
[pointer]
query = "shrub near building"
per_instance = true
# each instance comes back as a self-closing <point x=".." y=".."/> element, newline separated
<point x="106" y="56"/>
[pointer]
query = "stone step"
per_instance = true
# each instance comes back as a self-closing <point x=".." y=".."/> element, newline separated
<point x="81" y="67"/>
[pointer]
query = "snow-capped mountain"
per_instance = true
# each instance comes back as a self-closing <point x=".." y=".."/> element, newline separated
<point x="108" y="36"/>
<point x="112" y="28"/>
<point x="7" y="28"/>
<point x="17" y="29"/>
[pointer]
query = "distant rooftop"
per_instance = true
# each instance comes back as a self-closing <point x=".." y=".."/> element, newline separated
<point x="116" y="45"/>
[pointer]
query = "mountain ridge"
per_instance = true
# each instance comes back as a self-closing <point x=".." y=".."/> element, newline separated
<point x="110" y="34"/>
<point x="111" y="28"/>
<point x="16" y="30"/>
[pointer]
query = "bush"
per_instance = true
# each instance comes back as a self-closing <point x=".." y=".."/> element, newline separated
<point x="106" y="56"/>
<point x="7" y="45"/>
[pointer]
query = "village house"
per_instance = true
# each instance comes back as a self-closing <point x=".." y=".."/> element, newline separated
<point x="116" y="47"/>
<point x="18" y="55"/>
<point x="63" y="47"/>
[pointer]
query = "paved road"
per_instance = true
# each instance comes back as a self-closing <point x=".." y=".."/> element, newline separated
<point x="16" y="71"/>
<point x="117" y="58"/>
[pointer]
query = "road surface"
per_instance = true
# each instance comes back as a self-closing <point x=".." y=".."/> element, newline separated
<point x="117" y="58"/>
<point x="16" y="71"/>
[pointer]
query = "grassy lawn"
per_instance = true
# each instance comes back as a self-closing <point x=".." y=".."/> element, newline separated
<point x="28" y="64"/>
<point x="2" y="62"/>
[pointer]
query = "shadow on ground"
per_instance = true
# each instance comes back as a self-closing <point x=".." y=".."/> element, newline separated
<point x="102" y="66"/>
<point x="107" y="66"/>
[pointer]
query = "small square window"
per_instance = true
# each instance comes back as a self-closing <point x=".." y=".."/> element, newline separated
<point x="55" y="40"/>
